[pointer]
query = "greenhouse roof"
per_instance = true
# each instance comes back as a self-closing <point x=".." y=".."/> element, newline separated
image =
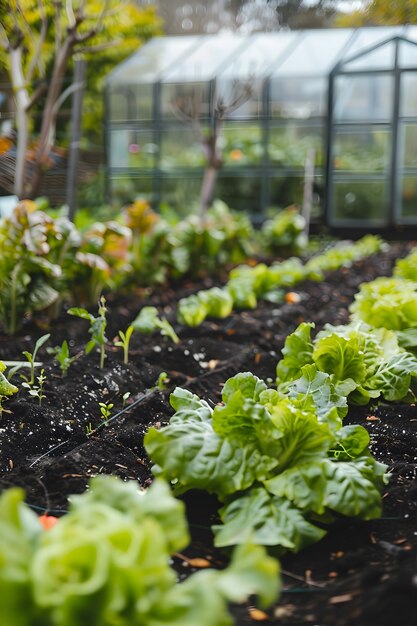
<point x="284" y="53"/>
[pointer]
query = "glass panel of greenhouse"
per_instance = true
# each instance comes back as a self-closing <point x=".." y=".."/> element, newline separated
<point x="251" y="112"/>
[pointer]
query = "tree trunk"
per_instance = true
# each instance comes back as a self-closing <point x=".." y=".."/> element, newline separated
<point x="22" y="102"/>
<point x="47" y="133"/>
<point x="207" y="188"/>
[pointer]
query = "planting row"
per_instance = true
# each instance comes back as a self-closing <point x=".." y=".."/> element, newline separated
<point x="45" y="261"/>
<point x="280" y="455"/>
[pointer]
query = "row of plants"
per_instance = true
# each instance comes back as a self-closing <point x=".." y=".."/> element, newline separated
<point x="247" y="284"/>
<point x="46" y="260"/>
<point x="280" y="459"/>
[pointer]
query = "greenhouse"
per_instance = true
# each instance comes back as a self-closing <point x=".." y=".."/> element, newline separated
<point x="255" y="120"/>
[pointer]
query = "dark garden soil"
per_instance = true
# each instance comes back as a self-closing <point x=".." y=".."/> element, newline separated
<point x="361" y="574"/>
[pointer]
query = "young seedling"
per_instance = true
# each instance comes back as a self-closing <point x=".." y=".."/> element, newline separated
<point x="124" y="341"/>
<point x="162" y="381"/>
<point x="36" y="391"/>
<point x="148" y="321"/>
<point x="31" y="357"/>
<point x="125" y="398"/>
<point x="63" y="357"/>
<point x="105" y="410"/>
<point x="6" y="387"/>
<point x="97" y="327"/>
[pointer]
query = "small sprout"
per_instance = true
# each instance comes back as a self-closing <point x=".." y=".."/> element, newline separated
<point x="97" y="327"/>
<point x="162" y="381"/>
<point x="124" y="341"/>
<point x="105" y="410"/>
<point x="148" y="321"/>
<point x="63" y="357"/>
<point x="88" y="429"/>
<point x="31" y="357"/>
<point x="36" y="391"/>
<point x="125" y="397"/>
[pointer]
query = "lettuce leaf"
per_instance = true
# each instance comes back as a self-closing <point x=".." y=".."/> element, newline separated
<point x="266" y="520"/>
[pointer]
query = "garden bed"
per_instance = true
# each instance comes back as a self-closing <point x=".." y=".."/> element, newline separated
<point x="361" y="573"/>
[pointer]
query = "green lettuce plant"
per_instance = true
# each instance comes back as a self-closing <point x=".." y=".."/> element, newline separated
<point x="214" y="302"/>
<point x="362" y="363"/>
<point x="282" y="464"/>
<point x="106" y="562"/>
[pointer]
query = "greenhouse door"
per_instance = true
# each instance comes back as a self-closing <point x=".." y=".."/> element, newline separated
<point x="372" y="135"/>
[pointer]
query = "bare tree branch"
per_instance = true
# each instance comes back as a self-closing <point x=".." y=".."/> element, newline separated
<point x="37" y="60"/>
<point x="99" y="24"/>
<point x="99" y="47"/>
<point x="39" y="91"/>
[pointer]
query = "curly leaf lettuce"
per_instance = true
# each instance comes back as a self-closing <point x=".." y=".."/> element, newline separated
<point x="107" y="562"/>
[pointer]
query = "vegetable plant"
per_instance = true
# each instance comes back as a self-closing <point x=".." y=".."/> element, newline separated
<point x="97" y="328"/>
<point x="282" y="463"/>
<point x="7" y="389"/>
<point x="362" y="363"/>
<point x="148" y="321"/>
<point x="106" y="562"/>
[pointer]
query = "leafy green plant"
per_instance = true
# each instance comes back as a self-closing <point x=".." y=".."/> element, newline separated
<point x="123" y="341"/>
<point x="214" y="302"/>
<point x="97" y="328"/>
<point x="62" y="355"/>
<point x="284" y="233"/>
<point x="362" y="363"/>
<point x="387" y="303"/>
<point x="28" y="278"/>
<point x="280" y="463"/>
<point x="148" y="321"/>
<point x="106" y="562"/>
<point x="6" y="387"/>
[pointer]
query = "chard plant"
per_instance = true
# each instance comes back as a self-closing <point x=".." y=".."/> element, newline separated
<point x="107" y="562"/>
<point x="7" y="389"/>
<point x="283" y="464"/>
<point x="97" y="328"/>
<point x="149" y="321"/>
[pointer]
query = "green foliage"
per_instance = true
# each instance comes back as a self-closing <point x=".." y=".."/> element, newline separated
<point x="62" y="355"/>
<point x="124" y="342"/>
<point x="247" y="284"/>
<point x="284" y="233"/>
<point x="6" y="387"/>
<point x="148" y="321"/>
<point x="97" y="328"/>
<point x="107" y="562"/>
<point x="31" y="357"/>
<point x="214" y="302"/>
<point x="28" y="272"/>
<point x="387" y="303"/>
<point x="278" y="461"/>
<point x="359" y="362"/>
